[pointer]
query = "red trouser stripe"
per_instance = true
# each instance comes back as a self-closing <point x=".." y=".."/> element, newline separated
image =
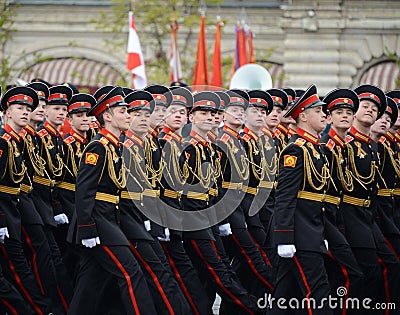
<point x="9" y="306"/>
<point x="18" y="280"/>
<point x="180" y="280"/>
<point x="153" y="275"/>
<point x="347" y="280"/>
<point x="250" y="263"/>
<point x="303" y="276"/>
<point x="128" y="279"/>
<point x="217" y="279"/>
<point x="385" y="282"/>
<point x="263" y="253"/>
<point x="62" y="298"/>
<point x="215" y="249"/>
<point x="34" y="259"/>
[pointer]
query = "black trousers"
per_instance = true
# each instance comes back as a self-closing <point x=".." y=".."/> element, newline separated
<point x="303" y="276"/>
<point x="186" y="275"/>
<point x="205" y="258"/>
<point x="164" y="289"/>
<point x="96" y="265"/>
<point x="16" y="268"/>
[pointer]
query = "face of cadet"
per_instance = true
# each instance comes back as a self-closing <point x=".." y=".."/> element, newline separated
<point x="140" y="121"/>
<point x="367" y="113"/>
<point x="120" y="118"/>
<point x="203" y="120"/>
<point x="255" y="117"/>
<point x="17" y="115"/>
<point x="219" y="115"/>
<point x="273" y="118"/>
<point x="382" y="125"/>
<point x="234" y="116"/>
<point x="158" y="115"/>
<point x="315" y="119"/>
<point x="176" y="117"/>
<point x="79" y="121"/>
<point x="341" y="118"/>
<point x="38" y="114"/>
<point x="56" y="114"/>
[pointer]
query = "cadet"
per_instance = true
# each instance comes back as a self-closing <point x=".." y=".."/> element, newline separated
<point x="342" y="267"/>
<point x="164" y="289"/>
<point x="298" y="215"/>
<point x="17" y="103"/>
<point x="106" y="249"/>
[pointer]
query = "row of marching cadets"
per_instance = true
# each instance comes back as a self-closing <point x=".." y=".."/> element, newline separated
<point x="109" y="220"/>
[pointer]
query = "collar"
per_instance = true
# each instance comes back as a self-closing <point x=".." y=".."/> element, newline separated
<point x="49" y="127"/>
<point x="212" y="136"/>
<point x="172" y="134"/>
<point x="358" y="135"/>
<point x="335" y="137"/>
<point x="110" y="136"/>
<point x="397" y="135"/>
<point x="134" y="137"/>
<point x="231" y="131"/>
<point x="198" y="138"/>
<point x="153" y="131"/>
<point x="77" y="136"/>
<point x="30" y="129"/>
<point x="306" y="135"/>
<point x="291" y="132"/>
<point x="251" y="133"/>
<point x="390" y="136"/>
<point x="12" y="133"/>
<point x="282" y="128"/>
<point x="266" y="131"/>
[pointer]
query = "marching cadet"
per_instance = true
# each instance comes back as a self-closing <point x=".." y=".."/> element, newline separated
<point x="196" y="161"/>
<point x="105" y="247"/>
<point x="164" y="289"/>
<point x="389" y="170"/>
<point x="286" y="121"/>
<point x="368" y="245"/>
<point x="299" y="210"/>
<point x="17" y="103"/>
<point x="395" y="130"/>
<point x="342" y="267"/>
<point x="172" y="180"/>
<point x="233" y="184"/>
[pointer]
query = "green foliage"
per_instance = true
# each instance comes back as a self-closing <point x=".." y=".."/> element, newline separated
<point x="396" y="59"/>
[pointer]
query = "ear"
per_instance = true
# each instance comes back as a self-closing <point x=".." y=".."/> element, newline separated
<point x="329" y="119"/>
<point x="191" y="116"/>
<point x="8" y="112"/>
<point x="303" y="116"/>
<point x="107" y="116"/>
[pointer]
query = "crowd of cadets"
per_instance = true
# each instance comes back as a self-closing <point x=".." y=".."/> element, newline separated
<point x="106" y="219"/>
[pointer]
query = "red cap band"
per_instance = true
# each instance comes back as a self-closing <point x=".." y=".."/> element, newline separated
<point x="369" y="95"/>
<point x="312" y="99"/>
<point x="180" y="98"/>
<point x="141" y="103"/>
<point x="79" y="105"/>
<point x="342" y="101"/>
<point x="237" y="100"/>
<point x="277" y="99"/>
<point x="204" y="103"/>
<point x="160" y="97"/>
<point x="259" y="101"/>
<point x="58" y="96"/>
<point x="20" y="98"/>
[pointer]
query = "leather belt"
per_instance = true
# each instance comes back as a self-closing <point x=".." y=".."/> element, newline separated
<point x="389" y="192"/>
<point x="235" y="186"/>
<point x="26" y="188"/>
<point x="151" y="193"/>
<point x="131" y="195"/>
<point x="213" y="192"/>
<point x="107" y="197"/>
<point x="302" y="194"/>
<point x="10" y="190"/>
<point x="264" y="184"/>
<point x="66" y="185"/>
<point x="43" y="181"/>
<point x="172" y="193"/>
<point x="356" y="201"/>
<point x="197" y="195"/>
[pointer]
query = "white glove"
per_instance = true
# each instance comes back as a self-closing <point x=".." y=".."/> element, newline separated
<point x="3" y="234"/>
<point x="225" y="229"/>
<point x="326" y="244"/>
<point x="166" y="238"/>
<point x="91" y="242"/>
<point x="61" y="219"/>
<point x="147" y="225"/>
<point x="286" y="251"/>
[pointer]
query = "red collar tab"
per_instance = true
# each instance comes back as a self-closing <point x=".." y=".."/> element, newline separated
<point x="369" y="96"/>
<point x="12" y="133"/>
<point x="110" y="136"/>
<point x="291" y="132"/>
<point x="153" y="132"/>
<point x="198" y="138"/>
<point x="282" y="128"/>
<point x="267" y="132"/>
<point x="340" y="101"/>
<point x="212" y="135"/>
<point x="230" y="131"/>
<point x="30" y="129"/>
<point x="77" y="136"/>
<point x="358" y="135"/>
<point x="397" y="136"/>
<point x="79" y="105"/>
<point x="134" y="137"/>
<point x="173" y="134"/>
<point x="390" y="136"/>
<point x="49" y="127"/>
<point x="20" y="98"/>
<point x="338" y="139"/>
<point x="309" y="137"/>
<point x="250" y="133"/>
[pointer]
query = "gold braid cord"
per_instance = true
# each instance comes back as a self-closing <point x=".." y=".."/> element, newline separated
<point x="71" y="156"/>
<point x="55" y="170"/>
<point x="315" y="179"/>
<point x="180" y="175"/>
<point x="120" y="181"/>
<point x="38" y="163"/>
<point x="365" y="180"/>
<point x="244" y="172"/>
<point x="345" y="177"/>
<point x="152" y="174"/>
<point x="216" y="162"/>
<point x="133" y="161"/>
<point x="206" y="179"/>
<point x="395" y="162"/>
<point x="258" y="170"/>
<point x="15" y="176"/>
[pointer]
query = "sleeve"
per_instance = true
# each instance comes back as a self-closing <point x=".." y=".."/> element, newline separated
<point x="90" y="170"/>
<point x="290" y="179"/>
<point x="3" y="164"/>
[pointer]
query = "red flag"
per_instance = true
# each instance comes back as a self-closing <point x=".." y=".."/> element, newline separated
<point x="216" y="79"/>
<point x="250" y="44"/>
<point x="135" y="62"/>
<point x="242" y="50"/>
<point x="174" y="60"/>
<point x="200" y="76"/>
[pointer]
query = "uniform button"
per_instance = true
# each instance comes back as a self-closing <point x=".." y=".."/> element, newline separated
<point x="116" y="207"/>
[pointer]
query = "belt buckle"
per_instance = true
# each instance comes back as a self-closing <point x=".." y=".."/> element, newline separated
<point x="323" y="198"/>
<point x="391" y="192"/>
<point x="117" y="199"/>
<point x="179" y="194"/>
<point x="239" y="186"/>
<point x="52" y="182"/>
<point x="366" y="203"/>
